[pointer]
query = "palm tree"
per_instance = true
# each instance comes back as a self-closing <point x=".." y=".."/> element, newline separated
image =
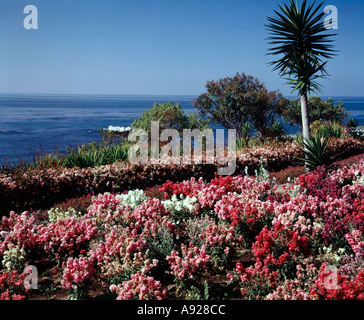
<point x="297" y="34"/>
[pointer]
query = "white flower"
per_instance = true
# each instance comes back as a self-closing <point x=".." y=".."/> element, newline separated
<point x="359" y="179"/>
<point x="176" y="205"/>
<point x="57" y="214"/>
<point x="133" y="198"/>
<point x="14" y="258"/>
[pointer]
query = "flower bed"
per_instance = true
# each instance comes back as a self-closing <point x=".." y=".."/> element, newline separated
<point x="40" y="188"/>
<point x="304" y="243"/>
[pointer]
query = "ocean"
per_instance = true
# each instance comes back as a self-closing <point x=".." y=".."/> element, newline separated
<point x="47" y="123"/>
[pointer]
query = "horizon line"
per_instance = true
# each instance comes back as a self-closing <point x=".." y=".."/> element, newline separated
<point x="144" y="94"/>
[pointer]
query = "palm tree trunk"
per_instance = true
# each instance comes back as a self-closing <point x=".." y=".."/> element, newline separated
<point x="305" y="122"/>
<point x="304" y="112"/>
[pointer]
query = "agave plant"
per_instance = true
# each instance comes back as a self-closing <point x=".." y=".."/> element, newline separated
<point x="244" y="135"/>
<point x="276" y="130"/>
<point x="352" y="123"/>
<point x="317" y="152"/>
<point x="94" y="155"/>
<point x="333" y="130"/>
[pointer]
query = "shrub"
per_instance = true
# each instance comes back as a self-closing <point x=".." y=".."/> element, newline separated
<point x="276" y="130"/>
<point x="346" y="288"/>
<point x="232" y="102"/>
<point x="256" y="281"/>
<point x="287" y="175"/>
<point x="12" y="286"/>
<point x="280" y="249"/>
<point x="352" y="123"/>
<point x="328" y="129"/>
<point x="66" y="237"/>
<point x="140" y="287"/>
<point x="170" y="116"/>
<point x="93" y="155"/>
<point x="186" y="266"/>
<point x="317" y="152"/>
<point x="318" y="110"/>
<point x="77" y="276"/>
<point x="33" y="188"/>
<point x="143" y="246"/>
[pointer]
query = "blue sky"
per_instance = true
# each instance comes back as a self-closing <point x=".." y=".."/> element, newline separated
<point x="157" y="46"/>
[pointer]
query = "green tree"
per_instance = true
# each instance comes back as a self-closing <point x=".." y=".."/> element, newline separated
<point x="318" y="109"/>
<point x="297" y="35"/>
<point x="170" y="116"/>
<point x="235" y="101"/>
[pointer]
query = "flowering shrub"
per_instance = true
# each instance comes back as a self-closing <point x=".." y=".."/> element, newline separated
<point x="190" y="261"/>
<point x="14" y="258"/>
<point x="67" y="237"/>
<point x="256" y="281"/>
<point x="19" y="239"/>
<point x="77" y="275"/>
<point x="343" y="289"/>
<point x="280" y="249"/>
<point x="120" y="253"/>
<point x="132" y="198"/>
<point x="217" y="238"/>
<point x="304" y="241"/>
<point x="140" y="287"/>
<point x="106" y="209"/>
<point x="180" y="205"/>
<point x="247" y="216"/>
<point x="40" y="188"/>
<point x="12" y="286"/>
<point x="297" y="288"/>
<point x="56" y="214"/>
<point x="148" y="217"/>
<point x="354" y="263"/>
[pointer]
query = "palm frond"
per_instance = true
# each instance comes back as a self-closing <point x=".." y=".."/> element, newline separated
<point x="298" y="36"/>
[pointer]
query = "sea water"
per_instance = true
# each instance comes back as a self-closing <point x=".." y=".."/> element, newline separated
<point x="48" y="123"/>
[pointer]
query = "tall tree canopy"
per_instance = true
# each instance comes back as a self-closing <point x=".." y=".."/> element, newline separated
<point x="234" y="101"/>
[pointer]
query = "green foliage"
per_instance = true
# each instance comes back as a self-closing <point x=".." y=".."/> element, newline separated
<point x="246" y="131"/>
<point x="318" y="109"/>
<point x="235" y="101"/>
<point x="195" y="122"/>
<point x="170" y="116"/>
<point x="328" y="130"/>
<point x="42" y="159"/>
<point x="333" y="130"/>
<point x="297" y="35"/>
<point x="93" y="155"/>
<point x="106" y="137"/>
<point x="352" y="123"/>
<point x="317" y="152"/>
<point x="241" y="143"/>
<point x="160" y="247"/>
<point x="276" y="130"/>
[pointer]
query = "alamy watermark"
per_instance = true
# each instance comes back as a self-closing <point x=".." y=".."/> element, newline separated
<point x="332" y="20"/>
<point x="31" y="20"/>
<point x="31" y="280"/>
<point x="331" y="280"/>
<point x="170" y="140"/>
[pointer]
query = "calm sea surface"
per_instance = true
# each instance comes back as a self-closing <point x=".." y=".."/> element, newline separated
<point x="51" y="122"/>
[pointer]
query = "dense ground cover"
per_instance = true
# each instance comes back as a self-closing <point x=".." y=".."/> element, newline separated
<point x="236" y="237"/>
<point x="41" y="186"/>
